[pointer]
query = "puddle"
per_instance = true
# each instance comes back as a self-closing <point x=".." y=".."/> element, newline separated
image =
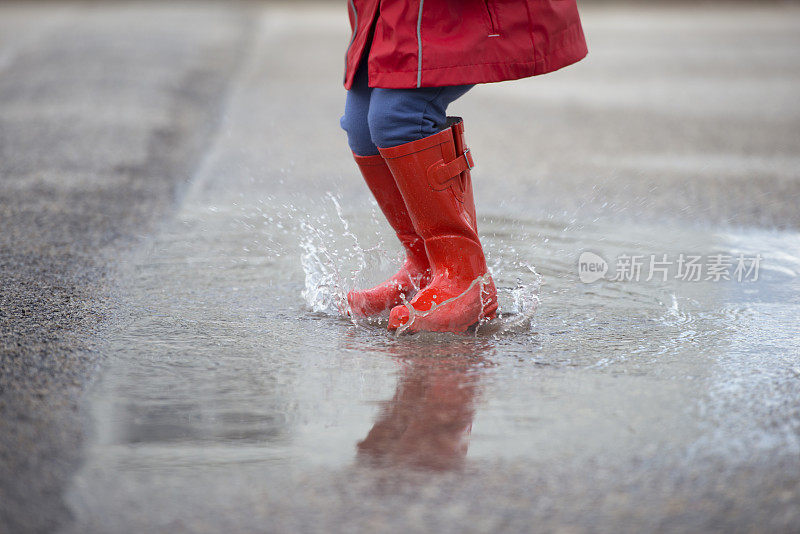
<point x="223" y="368"/>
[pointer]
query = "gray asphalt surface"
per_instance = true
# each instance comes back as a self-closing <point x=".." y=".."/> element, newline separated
<point x="107" y="109"/>
<point x="104" y="113"/>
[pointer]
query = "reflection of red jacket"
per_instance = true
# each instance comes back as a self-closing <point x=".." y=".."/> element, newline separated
<point x="431" y="43"/>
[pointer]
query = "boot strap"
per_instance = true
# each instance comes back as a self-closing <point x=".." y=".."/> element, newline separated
<point x="440" y="174"/>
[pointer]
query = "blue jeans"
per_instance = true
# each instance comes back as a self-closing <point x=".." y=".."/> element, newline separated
<point x="375" y="117"/>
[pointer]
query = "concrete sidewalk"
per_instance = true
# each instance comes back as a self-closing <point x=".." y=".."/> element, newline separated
<point x="105" y="111"/>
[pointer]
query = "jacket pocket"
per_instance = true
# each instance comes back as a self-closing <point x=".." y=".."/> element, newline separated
<point x="494" y="29"/>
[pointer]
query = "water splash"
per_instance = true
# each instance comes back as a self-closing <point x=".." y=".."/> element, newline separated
<point x="335" y="259"/>
<point x="523" y="299"/>
<point x="324" y="290"/>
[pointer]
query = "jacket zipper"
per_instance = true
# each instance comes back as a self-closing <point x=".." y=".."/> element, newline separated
<point x="419" y="43"/>
<point x="353" y="37"/>
<point x="495" y="32"/>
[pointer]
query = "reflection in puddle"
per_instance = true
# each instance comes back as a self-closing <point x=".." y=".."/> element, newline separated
<point x="427" y="423"/>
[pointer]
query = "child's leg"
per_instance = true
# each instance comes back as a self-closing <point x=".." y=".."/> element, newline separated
<point x="415" y="271"/>
<point x="398" y="116"/>
<point x="354" y="121"/>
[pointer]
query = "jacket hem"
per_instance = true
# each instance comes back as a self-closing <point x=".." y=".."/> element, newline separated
<point x="573" y="51"/>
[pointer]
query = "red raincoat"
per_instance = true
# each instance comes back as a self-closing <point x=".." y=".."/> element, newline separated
<point x="432" y="43"/>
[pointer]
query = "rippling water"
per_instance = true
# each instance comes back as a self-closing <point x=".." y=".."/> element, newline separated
<point x="232" y="356"/>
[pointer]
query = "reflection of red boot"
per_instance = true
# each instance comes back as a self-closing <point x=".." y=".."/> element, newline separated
<point x="434" y="179"/>
<point x="427" y="423"/>
<point x="415" y="272"/>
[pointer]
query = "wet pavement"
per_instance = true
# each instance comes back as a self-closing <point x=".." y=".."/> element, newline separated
<point x="104" y="112"/>
<point x="234" y="397"/>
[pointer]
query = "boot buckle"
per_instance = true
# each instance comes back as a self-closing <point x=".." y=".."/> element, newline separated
<point x="468" y="158"/>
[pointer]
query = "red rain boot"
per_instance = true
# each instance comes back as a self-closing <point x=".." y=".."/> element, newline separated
<point x="415" y="272"/>
<point x="433" y="176"/>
